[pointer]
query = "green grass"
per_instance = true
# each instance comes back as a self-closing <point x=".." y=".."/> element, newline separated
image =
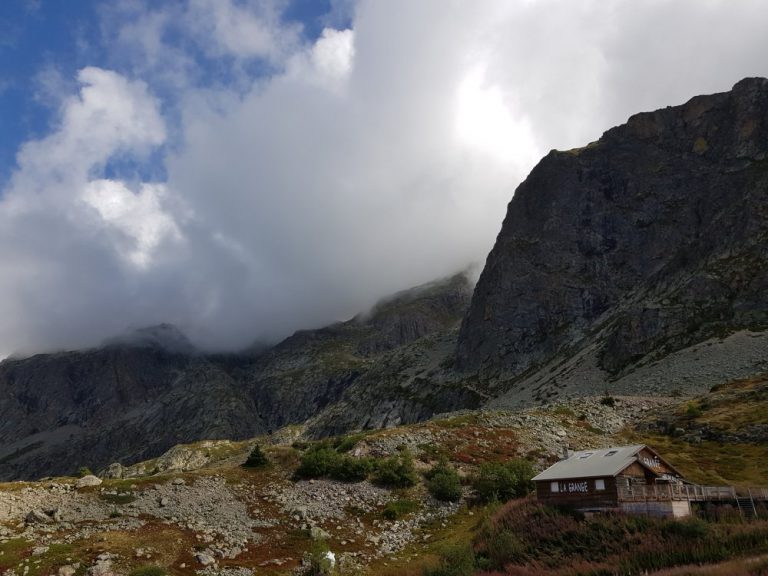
<point x="398" y="508"/>
<point x="729" y="408"/>
<point x="118" y="499"/>
<point x="712" y="463"/>
<point x="562" y="410"/>
<point x="13" y="551"/>
<point x="18" y="550"/>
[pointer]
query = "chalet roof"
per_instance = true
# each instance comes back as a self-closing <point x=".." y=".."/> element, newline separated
<point x="593" y="463"/>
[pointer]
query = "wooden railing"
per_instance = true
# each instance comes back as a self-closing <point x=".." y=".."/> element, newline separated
<point x="689" y="492"/>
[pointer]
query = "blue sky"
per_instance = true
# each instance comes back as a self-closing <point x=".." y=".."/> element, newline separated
<point x="247" y="168"/>
<point x="42" y="40"/>
<point x="34" y="38"/>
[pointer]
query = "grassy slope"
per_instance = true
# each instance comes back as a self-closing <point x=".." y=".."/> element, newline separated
<point x="725" y="412"/>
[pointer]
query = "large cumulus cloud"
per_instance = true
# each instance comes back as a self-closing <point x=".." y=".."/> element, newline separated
<point x="302" y="179"/>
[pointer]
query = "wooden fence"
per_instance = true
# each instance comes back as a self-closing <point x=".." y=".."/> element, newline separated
<point x="689" y="492"/>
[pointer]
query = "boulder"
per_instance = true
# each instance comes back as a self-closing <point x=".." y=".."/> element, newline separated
<point x="205" y="559"/>
<point x="37" y="516"/>
<point x="114" y="470"/>
<point x="87" y="481"/>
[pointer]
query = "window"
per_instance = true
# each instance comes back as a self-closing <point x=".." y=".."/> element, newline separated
<point x="554" y="487"/>
<point x="585" y="455"/>
<point x="611" y="453"/>
<point x="599" y="484"/>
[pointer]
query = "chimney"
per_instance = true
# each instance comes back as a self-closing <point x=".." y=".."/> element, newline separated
<point x="566" y="453"/>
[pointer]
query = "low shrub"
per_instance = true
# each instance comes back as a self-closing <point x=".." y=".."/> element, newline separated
<point x="458" y="560"/>
<point x="256" y="459"/>
<point x="84" y="471"/>
<point x="346" y="443"/>
<point x="318" y="562"/>
<point x="526" y="535"/>
<point x="443" y="482"/>
<point x="317" y="462"/>
<point x="690" y="528"/>
<point x="562" y="410"/>
<point x="322" y="461"/>
<point x="399" y="508"/>
<point x="608" y="400"/>
<point x="349" y="469"/>
<point x="500" y="548"/>
<point x="396" y="471"/>
<point x="502" y="481"/>
<point x="693" y="410"/>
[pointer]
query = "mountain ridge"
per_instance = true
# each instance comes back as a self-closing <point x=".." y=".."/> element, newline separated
<point x="635" y="265"/>
<point x="138" y="395"/>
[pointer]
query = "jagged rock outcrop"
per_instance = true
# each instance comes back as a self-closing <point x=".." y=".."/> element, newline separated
<point x="647" y="241"/>
<point x="380" y="369"/>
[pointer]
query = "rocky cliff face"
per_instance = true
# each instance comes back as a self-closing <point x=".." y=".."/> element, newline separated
<point x="645" y="242"/>
<point x="140" y="394"/>
<point x="121" y="402"/>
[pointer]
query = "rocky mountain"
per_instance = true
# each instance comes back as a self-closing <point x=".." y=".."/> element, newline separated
<point x="140" y="394"/>
<point x="636" y="248"/>
<point x="635" y="265"/>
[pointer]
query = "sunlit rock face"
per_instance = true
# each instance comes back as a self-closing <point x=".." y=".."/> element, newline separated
<point x="646" y="241"/>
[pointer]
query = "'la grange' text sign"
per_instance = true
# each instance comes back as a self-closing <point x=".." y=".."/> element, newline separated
<point x="573" y="487"/>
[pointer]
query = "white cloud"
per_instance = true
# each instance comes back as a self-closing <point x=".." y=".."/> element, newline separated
<point x="365" y="161"/>
<point x="250" y="30"/>
<point x="333" y="53"/>
<point x="138" y="217"/>
<point x="109" y="116"/>
<point x="69" y="240"/>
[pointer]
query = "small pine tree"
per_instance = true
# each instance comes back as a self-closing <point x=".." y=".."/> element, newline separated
<point x="256" y="459"/>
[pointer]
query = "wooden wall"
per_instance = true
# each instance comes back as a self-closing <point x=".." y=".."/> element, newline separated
<point x="580" y="493"/>
<point x="651" y="459"/>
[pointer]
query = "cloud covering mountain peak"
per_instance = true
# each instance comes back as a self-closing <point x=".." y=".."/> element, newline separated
<point x="240" y="178"/>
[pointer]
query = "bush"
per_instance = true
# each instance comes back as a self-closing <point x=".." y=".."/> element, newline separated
<point x="317" y="462"/>
<point x="346" y="443"/>
<point x="84" y="471"/>
<point x="526" y="537"/>
<point x="396" y="471"/>
<point x="349" y="469"/>
<point x="502" y="481"/>
<point x="256" y="459"/>
<point x="318" y="563"/>
<point x="690" y="528"/>
<point x="322" y="461"/>
<point x="608" y="400"/>
<point x="693" y="410"/>
<point x="500" y="548"/>
<point x="443" y="482"/>
<point x="399" y="508"/>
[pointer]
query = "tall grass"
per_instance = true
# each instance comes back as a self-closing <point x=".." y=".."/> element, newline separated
<point x="526" y="537"/>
